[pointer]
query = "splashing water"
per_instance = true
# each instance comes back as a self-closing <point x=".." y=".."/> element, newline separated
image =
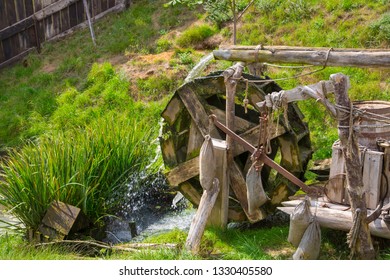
<point x="196" y="71"/>
<point x="148" y="202"/>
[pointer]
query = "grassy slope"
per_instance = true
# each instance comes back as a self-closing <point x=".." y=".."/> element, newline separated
<point x="24" y="89"/>
<point x="149" y="29"/>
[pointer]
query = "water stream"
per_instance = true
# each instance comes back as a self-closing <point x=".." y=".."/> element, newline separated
<point x="197" y="70"/>
<point x="147" y="202"/>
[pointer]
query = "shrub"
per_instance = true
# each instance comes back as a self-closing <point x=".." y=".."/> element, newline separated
<point x="195" y="35"/>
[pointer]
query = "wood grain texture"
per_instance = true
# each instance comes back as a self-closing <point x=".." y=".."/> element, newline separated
<point x="313" y="56"/>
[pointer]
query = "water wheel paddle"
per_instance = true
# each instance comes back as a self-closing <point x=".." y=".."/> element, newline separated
<point x="186" y="122"/>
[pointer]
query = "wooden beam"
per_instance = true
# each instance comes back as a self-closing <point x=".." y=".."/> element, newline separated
<point x="183" y="172"/>
<point x="342" y="220"/>
<point x="16" y="28"/>
<point x="303" y="55"/>
<point x="53" y="8"/>
<point x="219" y="213"/>
<point x="195" y="108"/>
<point x="240" y="123"/>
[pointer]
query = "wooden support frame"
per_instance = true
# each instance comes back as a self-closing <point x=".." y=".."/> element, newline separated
<point x="304" y="55"/>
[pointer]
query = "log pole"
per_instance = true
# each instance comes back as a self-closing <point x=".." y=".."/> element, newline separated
<point x="231" y="76"/>
<point x="359" y="237"/>
<point x="301" y="55"/>
<point x="199" y="221"/>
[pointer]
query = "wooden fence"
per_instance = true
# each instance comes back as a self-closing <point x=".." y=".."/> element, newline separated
<point x="26" y="24"/>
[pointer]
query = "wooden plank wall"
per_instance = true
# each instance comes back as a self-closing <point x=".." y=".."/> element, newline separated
<point x="25" y="24"/>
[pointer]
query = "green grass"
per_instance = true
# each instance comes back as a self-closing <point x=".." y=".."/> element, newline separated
<point x="232" y="244"/>
<point x="93" y="141"/>
<point x="195" y="35"/>
<point x="66" y="63"/>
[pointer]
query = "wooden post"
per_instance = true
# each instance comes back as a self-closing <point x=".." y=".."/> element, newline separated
<point x="89" y="21"/>
<point x="219" y="214"/>
<point x="231" y="77"/>
<point x="359" y="237"/>
<point x="305" y="55"/>
<point x="199" y="221"/>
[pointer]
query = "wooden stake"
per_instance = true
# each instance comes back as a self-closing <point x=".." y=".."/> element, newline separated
<point x="359" y="236"/>
<point x="199" y="221"/>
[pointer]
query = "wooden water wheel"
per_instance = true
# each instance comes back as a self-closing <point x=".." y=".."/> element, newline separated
<point x="186" y="122"/>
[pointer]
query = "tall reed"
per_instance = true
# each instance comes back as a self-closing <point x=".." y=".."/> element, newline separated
<point x="81" y="167"/>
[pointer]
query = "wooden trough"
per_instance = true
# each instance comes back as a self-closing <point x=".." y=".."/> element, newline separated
<point x="186" y="122"/>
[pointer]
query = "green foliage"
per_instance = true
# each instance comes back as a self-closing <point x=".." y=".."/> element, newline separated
<point x="155" y="87"/>
<point x="14" y="247"/>
<point x="79" y="167"/>
<point x="195" y="35"/>
<point x="163" y="45"/>
<point x="93" y="140"/>
<point x="379" y="31"/>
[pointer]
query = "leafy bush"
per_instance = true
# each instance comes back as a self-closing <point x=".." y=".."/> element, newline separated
<point x="195" y="35"/>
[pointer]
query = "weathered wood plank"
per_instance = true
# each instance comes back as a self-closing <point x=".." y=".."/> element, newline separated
<point x="241" y="124"/>
<point x="65" y="21"/>
<point x="2" y="58"/>
<point x="29" y="7"/>
<point x="172" y="111"/>
<point x="195" y="140"/>
<point x="342" y="220"/>
<point x="199" y="221"/>
<point x="191" y="193"/>
<point x="56" y="25"/>
<point x="73" y="15"/>
<point x="11" y="12"/>
<point x="372" y="177"/>
<point x="195" y="108"/>
<point x="335" y="189"/>
<point x="16" y="28"/>
<point x="46" y="3"/>
<point x="37" y="5"/>
<point x="20" y="10"/>
<point x="3" y="15"/>
<point x="81" y="17"/>
<point x="168" y="152"/>
<point x="321" y="203"/>
<point x="313" y="56"/>
<point x="61" y="216"/>
<point x="386" y="171"/>
<point x="183" y="172"/>
<point x="219" y="213"/>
